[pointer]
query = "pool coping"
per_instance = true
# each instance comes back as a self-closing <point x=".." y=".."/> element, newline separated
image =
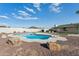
<point x="54" y="39"/>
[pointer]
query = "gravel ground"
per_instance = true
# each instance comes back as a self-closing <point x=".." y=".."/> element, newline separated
<point x="70" y="48"/>
<point x="25" y="49"/>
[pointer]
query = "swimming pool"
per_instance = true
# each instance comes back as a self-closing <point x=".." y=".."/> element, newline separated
<point x="32" y="37"/>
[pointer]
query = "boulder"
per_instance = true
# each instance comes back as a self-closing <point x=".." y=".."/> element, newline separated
<point x="14" y="41"/>
<point x="3" y="35"/>
<point x="54" y="47"/>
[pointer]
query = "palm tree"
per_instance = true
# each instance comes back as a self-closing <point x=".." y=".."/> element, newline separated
<point x="77" y="12"/>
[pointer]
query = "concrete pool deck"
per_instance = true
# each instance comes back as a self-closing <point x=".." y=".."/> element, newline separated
<point x="54" y="38"/>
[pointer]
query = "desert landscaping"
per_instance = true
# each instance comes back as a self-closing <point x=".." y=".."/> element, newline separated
<point x="21" y="48"/>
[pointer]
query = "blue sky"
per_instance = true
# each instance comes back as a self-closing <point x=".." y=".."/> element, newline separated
<point x="40" y="15"/>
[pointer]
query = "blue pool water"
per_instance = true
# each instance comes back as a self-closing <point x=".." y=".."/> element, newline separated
<point x="36" y="36"/>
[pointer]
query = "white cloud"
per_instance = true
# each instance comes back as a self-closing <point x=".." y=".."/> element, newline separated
<point x="27" y="18"/>
<point x="37" y="6"/>
<point x="4" y="17"/>
<point x="22" y="15"/>
<point x="56" y="4"/>
<point x="29" y="9"/>
<point x="55" y="7"/>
